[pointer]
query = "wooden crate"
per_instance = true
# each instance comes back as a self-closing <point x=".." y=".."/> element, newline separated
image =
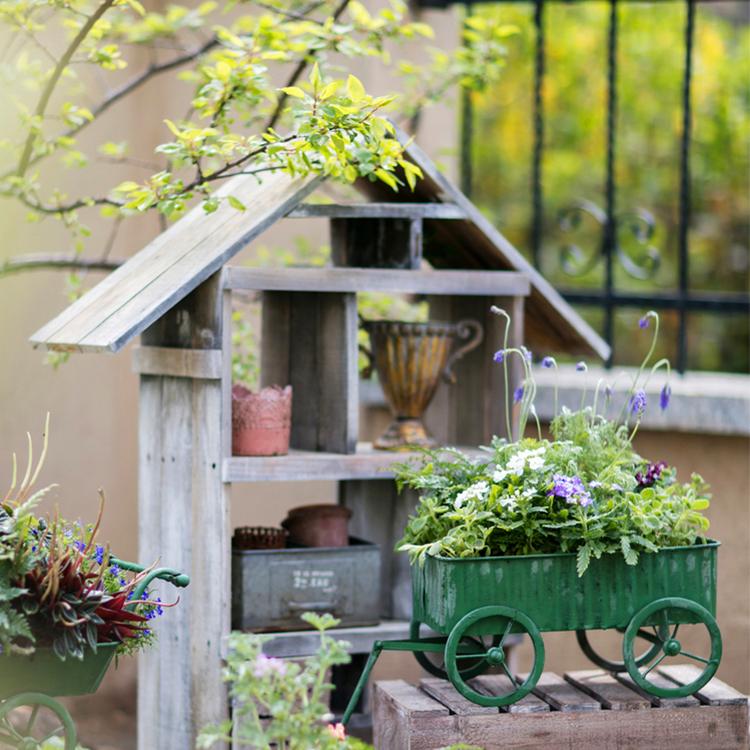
<point x="587" y="709"/>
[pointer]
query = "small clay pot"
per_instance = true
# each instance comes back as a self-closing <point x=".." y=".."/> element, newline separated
<point x="261" y="422"/>
<point x="318" y="525"/>
<point x="259" y="537"/>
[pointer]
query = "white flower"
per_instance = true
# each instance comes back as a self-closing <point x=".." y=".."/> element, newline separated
<point x="508" y="501"/>
<point x="478" y="490"/>
<point x="536" y="463"/>
<point x="533" y="459"/>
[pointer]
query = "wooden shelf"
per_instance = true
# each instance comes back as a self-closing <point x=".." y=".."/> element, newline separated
<point x="307" y="642"/>
<point x="366" y="463"/>
<point x="377" y="211"/>
<point x="460" y="283"/>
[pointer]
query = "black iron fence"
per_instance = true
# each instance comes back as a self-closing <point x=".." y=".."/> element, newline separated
<point x="612" y="218"/>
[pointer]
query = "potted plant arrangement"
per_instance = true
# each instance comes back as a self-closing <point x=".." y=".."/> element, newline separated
<point x="572" y="532"/>
<point x="67" y="606"/>
<point x="261" y="418"/>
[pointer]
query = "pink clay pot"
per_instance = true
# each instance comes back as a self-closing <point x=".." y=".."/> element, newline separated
<point x="261" y="422"/>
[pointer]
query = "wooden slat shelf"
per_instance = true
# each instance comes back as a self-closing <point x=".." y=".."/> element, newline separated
<point x="579" y="710"/>
<point x="360" y="639"/>
<point x="366" y="463"/>
<point x="463" y="283"/>
<point x="377" y="211"/>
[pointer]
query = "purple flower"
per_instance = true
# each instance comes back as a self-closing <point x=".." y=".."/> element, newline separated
<point x="644" y="321"/>
<point x="267" y="665"/>
<point x="608" y="391"/>
<point x="499" y="356"/>
<point x="548" y="362"/>
<point x="638" y="403"/>
<point x="664" y="396"/>
<point x="99" y="554"/>
<point x="571" y="489"/>
<point x="518" y="394"/>
<point x="581" y="367"/>
<point x="651" y="476"/>
<point x="80" y="546"/>
<point x="114" y="569"/>
<point x="526" y="353"/>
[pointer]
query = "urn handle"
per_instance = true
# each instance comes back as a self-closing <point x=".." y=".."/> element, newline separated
<point x="465" y="329"/>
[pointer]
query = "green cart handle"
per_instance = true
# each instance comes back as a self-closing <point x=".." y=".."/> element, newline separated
<point x="181" y="580"/>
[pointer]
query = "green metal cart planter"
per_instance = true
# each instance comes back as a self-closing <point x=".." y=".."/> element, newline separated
<point x="474" y="604"/>
<point x="33" y="682"/>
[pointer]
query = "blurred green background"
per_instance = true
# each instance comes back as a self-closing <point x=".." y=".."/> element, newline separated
<point x="651" y="65"/>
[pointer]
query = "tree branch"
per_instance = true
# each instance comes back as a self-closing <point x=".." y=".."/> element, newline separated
<point x="63" y="62"/>
<point x="298" y="71"/>
<point x="58" y="262"/>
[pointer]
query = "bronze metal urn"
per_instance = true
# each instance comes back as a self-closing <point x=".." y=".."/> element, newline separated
<point x="410" y="359"/>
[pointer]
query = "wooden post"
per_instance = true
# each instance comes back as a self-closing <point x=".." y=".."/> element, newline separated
<point x="379" y="243"/>
<point x="184" y="524"/>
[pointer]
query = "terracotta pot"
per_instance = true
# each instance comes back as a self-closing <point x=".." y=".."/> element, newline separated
<point x="259" y="537"/>
<point x="318" y="525"/>
<point x="261" y="421"/>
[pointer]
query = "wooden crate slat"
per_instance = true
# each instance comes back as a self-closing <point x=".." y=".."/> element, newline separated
<point x="444" y="692"/>
<point x="499" y="684"/>
<point x="464" y="283"/>
<point x="396" y="727"/>
<point x="607" y="690"/>
<point x="662" y="682"/>
<point x="409" y="698"/>
<point x="377" y="211"/>
<point x="562" y="695"/>
<point x="714" y="693"/>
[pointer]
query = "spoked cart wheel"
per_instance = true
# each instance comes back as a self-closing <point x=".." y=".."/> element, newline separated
<point x="666" y="617"/>
<point x="434" y="663"/>
<point x="495" y="623"/>
<point x="612" y="665"/>
<point x="43" y="719"/>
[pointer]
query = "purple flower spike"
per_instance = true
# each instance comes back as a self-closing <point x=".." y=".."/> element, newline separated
<point x="526" y="354"/>
<point x="518" y="394"/>
<point x="664" y="396"/>
<point x="638" y="403"/>
<point x="548" y="362"/>
<point x="499" y="356"/>
<point x="644" y="322"/>
<point x="581" y="367"/>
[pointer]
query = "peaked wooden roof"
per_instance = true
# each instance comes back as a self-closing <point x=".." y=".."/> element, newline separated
<point x="155" y="279"/>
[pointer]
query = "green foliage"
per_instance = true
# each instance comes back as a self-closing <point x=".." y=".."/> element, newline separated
<point x="282" y="704"/>
<point x="651" y="64"/>
<point x="240" y="121"/>
<point x="57" y="587"/>
<point x="505" y="503"/>
<point x="585" y="491"/>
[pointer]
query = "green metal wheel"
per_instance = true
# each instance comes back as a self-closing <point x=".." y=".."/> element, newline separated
<point x="434" y="663"/>
<point x="665" y="616"/>
<point x="611" y="665"/>
<point x="43" y="720"/>
<point x="496" y="622"/>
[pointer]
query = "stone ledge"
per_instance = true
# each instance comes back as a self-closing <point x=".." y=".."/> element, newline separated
<point x="702" y="402"/>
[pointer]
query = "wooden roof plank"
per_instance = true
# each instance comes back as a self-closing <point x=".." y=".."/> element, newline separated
<point x="140" y="297"/>
<point x="543" y="293"/>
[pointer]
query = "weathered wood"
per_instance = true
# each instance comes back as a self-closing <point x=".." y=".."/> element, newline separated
<point x="443" y="692"/>
<point x="377" y="243"/>
<point x="465" y="283"/>
<point x="402" y="723"/>
<point x="178" y="363"/>
<point x="607" y="690"/>
<point x="360" y="639"/>
<point x="499" y="684"/>
<point x="472" y="410"/>
<point x="714" y="693"/>
<point x="366" y="463"/>
<point x="551" y="323"/>
<point x="181" y="498"/>
<point x="275" y="339"/>
<point x="562" y="695"/>
<point x="139" y="292"/>
<point x="377" y="211"/>
<point x="660" y="681"/>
